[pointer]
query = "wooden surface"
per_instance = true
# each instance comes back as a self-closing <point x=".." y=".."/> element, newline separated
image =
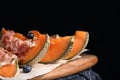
<point x="71" y="67"/>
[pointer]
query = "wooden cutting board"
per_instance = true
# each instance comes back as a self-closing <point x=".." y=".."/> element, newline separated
<point x="71" y="67"/>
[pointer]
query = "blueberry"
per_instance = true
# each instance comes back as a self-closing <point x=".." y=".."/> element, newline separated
<point x="27" y="68"/>
<point x="30" y="35"/>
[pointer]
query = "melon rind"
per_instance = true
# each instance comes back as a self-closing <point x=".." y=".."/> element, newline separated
<point x="81" y="50"/>
<point x="68" y="49"/>
<point x="86" y="43"/>
<point x="41" y="54"/>
<point x="18" y="69"/>
<point x="84" y="47"/>
<point x="70" y="46"/>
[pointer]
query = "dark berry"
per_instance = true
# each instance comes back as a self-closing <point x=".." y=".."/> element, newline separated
<point x="27" y="68"/>
<point x="30" y="35"/>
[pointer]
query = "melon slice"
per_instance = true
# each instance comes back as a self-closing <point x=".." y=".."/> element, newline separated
<point x="80" y="42"/>
<point x="9" y="70"/>
<point x="58" y="48"/>
<point x="36" y="53"/>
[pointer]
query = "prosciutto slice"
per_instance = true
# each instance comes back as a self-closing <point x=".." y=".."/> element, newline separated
<point x="6" y="57"/>
<point x="14" y="44"/>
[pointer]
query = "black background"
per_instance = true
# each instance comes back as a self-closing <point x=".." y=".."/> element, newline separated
<point x="100" y="20"/>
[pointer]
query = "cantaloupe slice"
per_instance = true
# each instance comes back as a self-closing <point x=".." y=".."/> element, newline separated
<point x="58" y="48"/>
<point x="34" y="54"/>
<point x="9" y="70"/>
<point x="80" y="42"/>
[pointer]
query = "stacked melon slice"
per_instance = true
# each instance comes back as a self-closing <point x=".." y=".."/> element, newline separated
<point x="58" y="48"/>
<point x="49" y="49"/>
<point x="66" y="47"/>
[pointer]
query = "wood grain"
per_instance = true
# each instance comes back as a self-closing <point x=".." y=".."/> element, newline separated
<point x="71" y="67"/>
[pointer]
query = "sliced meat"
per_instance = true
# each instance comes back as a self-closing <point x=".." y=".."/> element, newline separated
<point x="14" y="44"/>
<point x="5" y="57"/>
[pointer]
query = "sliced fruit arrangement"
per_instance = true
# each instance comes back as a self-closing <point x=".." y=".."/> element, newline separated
<point x="59" y="47"/>
<point x="37" y="47"/>
<point x="76" y="45"/>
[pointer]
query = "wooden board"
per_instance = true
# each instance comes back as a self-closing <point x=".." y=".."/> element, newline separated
<point x="71" y="67"/>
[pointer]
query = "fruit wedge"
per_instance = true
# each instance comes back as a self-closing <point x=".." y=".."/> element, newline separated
<point x="9" y="70"/>
<point x="58" y="48"/>
<point x="80" y="42"/>
<point x="34" y="54"/>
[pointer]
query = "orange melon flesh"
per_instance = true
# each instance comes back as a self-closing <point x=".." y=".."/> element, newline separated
<point x="81" y="34"/>
<point x="57" y="49"/>
<point x="8" y="70"/>
<point x="34" y="51"/>
<point x="79" y="42"/>
<point x="18" y="35"/>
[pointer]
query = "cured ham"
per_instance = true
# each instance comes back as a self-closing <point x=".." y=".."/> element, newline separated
<point x="15" y="45"/>
<point x="6" y="57"/>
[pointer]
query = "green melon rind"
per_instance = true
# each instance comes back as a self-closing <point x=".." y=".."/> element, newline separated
<point x="41" y="53"/>
<point x="17" y="69"/>
<point x="68" y="49"/>
<point x="86" y="43"/>
<point x="70" y="46"/>
<point x="81" y="50"/>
